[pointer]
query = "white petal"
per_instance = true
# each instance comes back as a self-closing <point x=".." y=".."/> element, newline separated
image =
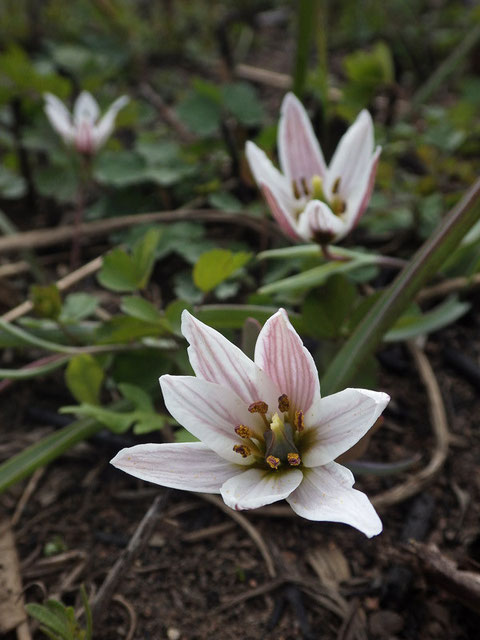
<point x="318" y="221"/>
<point x="191" y="466"/>
<point x="254" y="488"/>
<point x="298" y="148"/>
<point x="352" y="157"/>
<point x="337" y="422"/>
<point x="275" y="187"/>
<point x="358" y="200"/>
<point x="280" y="353"/>
<point x="85" y="109"/>
<point x="105" y="127"/>
<point x="326" y="494"/>
<point x="210" y="412"/>
<point x="59" y="117"/>
<point x="216" y="359"/>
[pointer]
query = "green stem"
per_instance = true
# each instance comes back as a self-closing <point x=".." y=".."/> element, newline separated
<point x="306" y="19"/>
<point x="49" y="448"/>
<point x="426" y="262"/>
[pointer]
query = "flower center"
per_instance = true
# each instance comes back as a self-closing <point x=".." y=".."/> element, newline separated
<point x="315" y="191"/>
<point x="274" y="444"/>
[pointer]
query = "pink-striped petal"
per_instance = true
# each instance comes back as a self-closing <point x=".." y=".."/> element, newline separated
<point x="59" y="117"/>
<point x="255" y="488"/>
<point x="318" y="222"/>
<point x="337" y="422"/>
<point x="85" y="109"/>
<point x="280" y="353"/>
<point x="216" y="359"/>
<point x="326" y="494"/>
<point x="351" y="160"/>
<point x="275" y="187"/>
<point x="104" y="128"/>
<point x="210" y="412"/>
<point x="358" y="201"/>
<point x="300" y="154"/>
<point x="191" y="466"/>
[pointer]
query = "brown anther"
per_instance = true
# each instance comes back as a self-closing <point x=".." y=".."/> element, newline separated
<point x="299" y="422"/>
<point x="295" y="189"/>
<point x="283" y="403"/>
<point x="243" y="450"/>
<point x="272" y="462"/>
<point x="243" y="431"/>
<point x="305" y="188"/>
<point x="294" y="459"/>
<point x="338" y="206"/>
<point x="258" y="407"/>
<point x="336" y="186"/>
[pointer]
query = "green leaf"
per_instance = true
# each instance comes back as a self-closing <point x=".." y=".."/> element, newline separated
<point x="12" y="186"/>
<point x="84" y="377"/>
<point x="47" y="617"/>
<point x="200" y="113"/>
<point x="364" y="467"/>
<point x="412" y="325"/>
<point x="113" y="420"/>
<point x="325" y="310"/>
<point x="140" y="308"/>
<point x="125" y="329"/>
<point x="216" y="266"/>
<point x="143" y="255"/>
<point x="77" y="306"/>
<point x="316" y="276"/>
<point x="137" y="396"/>
<point x="46" y="300"/>
<point x="118" y="272"/>
<point x="120" y="168"/>
<point x="173" y="314"/>
<point x="233" y="316"/>
<point x="225" y="201"/>
<point x="242" y="101"/>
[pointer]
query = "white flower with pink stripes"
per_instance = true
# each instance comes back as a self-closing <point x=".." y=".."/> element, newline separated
<point x="310" y="200"/>
<point x="266" y="434"/>
<point x="85" y="131"/>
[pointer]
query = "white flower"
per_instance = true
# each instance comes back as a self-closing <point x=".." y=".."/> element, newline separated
<point x="266" y="434"/>
<point x="309" y="200"/>
<point x="85" y="131"/>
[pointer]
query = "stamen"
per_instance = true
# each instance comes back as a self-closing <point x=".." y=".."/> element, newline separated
<point x="305" y="188"/>
<point x="273" y="462"/>
<point x="243" y="431"/>
<point x="283" y="403"/>
<point x="258" y="407"/>
<point x="299" y="422"/>
<point x="336" y="185"/>
<point x="295" y="189"/>
<point x="261" y="408"/>
<point x="294" y="459"/>
<point x="243" y="450"/>
<point x="338" y="206"/>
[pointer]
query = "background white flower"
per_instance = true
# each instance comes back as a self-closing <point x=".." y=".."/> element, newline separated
<point x="309" y="200"/>
<point x="85" y="131"/>
<point x="266" y="433"/>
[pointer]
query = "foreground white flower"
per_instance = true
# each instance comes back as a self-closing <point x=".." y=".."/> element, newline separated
<point x="309" y="200"/>
<point x="266" y="433"/>
<point x="84" y="131"/>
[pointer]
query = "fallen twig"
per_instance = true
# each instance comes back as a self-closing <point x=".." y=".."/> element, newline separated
<point x="248" y="527"/>
<point x="463" y="585"/>
<point x="438" y="418"/>
<point x="49" y="237"/>
<point x="448" y="286"/>
<point x="137" y="542"/>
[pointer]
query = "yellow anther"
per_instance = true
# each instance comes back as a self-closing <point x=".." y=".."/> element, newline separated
<point x="242" y="449"/>
<point x="336" y="186"/>
<point x="258" y="407"/>
<point x="293" y="459"/>
<point x="317" y="188"/>
<point x="273" y="462"/>
<point x="299" y="422"/>
<point x="338" y="205"/>
<point x="243" y="431"/>
<point x="283" y="403"/>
